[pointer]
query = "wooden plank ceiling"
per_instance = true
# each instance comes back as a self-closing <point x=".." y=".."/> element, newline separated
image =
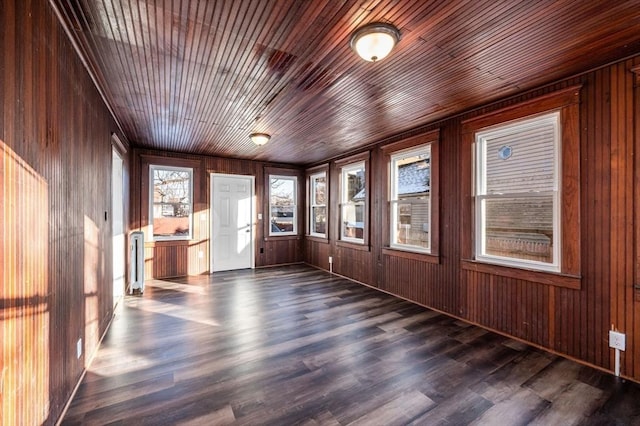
<point x="198" y="76"/>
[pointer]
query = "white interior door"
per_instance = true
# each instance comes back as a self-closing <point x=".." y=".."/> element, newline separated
<point x="232" y="242"/>
<point x="117" y="213"/>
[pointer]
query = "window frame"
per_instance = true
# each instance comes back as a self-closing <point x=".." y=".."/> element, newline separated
<point x="152" y="169"/>
<point x="295" y="204"/>
<point x="311" y="180"/>
<point x="567" y="102"/>
<point x="395" y="199"/>
<point x="349" y="163"/>
<point x="481" y="194"/>
<point x="432" y="138"/>
<point x="345" y="202"/>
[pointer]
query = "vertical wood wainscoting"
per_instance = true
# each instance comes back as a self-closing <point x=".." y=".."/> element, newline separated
<point x="56" y="285"/>
<point x="24" y="293"/>
<point x="573" y="320"/>
<point x="635" y="292"/>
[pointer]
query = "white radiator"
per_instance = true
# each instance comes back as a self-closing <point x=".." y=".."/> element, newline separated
<point x="136" y="261"/>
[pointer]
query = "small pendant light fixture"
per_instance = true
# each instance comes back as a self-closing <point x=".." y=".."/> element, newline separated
<point x="375" y="41"/>
<point x="259" y="138"/>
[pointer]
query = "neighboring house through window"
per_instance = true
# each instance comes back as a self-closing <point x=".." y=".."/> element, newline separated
<point x="410" y="181"/>
<point x="353" y="195"/>
<point x="521" y="178"/>
<point x="518" y="193"/>
<point x="171" y="202"/>
<point x="318" y="204"/>
<point x="283" y="205"/>
<point x="413" y="216"/>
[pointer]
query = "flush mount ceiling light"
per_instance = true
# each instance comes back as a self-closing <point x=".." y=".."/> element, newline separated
<point x="259" y="138"/>
<point x="374" y="41"/>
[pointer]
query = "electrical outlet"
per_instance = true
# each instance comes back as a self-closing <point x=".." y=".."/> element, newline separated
<point x="79" y="348"/>
<point x="330" y="259"/>
<point x="617" y="340"/>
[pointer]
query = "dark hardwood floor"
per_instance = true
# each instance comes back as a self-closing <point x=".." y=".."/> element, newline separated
<point x="296" y="345"/>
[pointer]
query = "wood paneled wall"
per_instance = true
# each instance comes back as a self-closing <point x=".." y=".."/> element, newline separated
<point x="164" y="259"/>
<point x="574" y="322"/>
<point x="55" y="174"/>
<point x="635" y="314"/>
<point x="56" y="288"/>
<point x="23" y="290"/>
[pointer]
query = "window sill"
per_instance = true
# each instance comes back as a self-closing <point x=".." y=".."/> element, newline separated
<point x="317" y="239"/>
<point x="281" y="237"/>
<point x="354" y="246"/>
<point x="412" y="255"/>
<point x="540" y="277"/>
<point x="160" y="243"/>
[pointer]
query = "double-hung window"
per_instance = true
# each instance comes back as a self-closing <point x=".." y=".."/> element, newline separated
<point x="518" y="197"/>
<point x="521" y="190"/>
<point x="353" y="203"/>
<point x="412" y="219"/>
<point x="318" y="205"/>
<point x="171" y="202"/>
<point x="283" y="198"/>
<point x="410" y="199"/>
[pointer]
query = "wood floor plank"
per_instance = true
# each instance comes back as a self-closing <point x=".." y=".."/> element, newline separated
<point x="296" y="345"/>
<point x="398" y="411"/>
<point x="573" y="407"/>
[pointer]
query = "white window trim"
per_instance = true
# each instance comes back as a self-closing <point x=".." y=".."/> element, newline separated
<point x="295" y="206"/>
<point x="152" y="168"/>
<point x="393" y="201"/>
<point x="481" y="195"/>
<point x="312" y="205"/>
<point x="344" y="200"/>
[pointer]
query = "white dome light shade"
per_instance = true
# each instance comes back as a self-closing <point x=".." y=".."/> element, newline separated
<point x="375" y="41"/>
<point x="259" y="138"/>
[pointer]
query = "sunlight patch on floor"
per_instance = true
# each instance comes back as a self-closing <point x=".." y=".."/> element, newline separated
<point x="176" y="311"/>
<point x="184" y="288"/>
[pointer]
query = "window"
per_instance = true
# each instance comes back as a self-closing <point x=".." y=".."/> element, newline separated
<point x="352" y="203"/>
<point x="410" y="204"/>
<point x="318" y="205"/>
<point x="283" y="205"/>
<point x="412" y="230"/>
<point x="521" y="190"/>
<point x="171" y="202"/>
<point x="518" y="193"/>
